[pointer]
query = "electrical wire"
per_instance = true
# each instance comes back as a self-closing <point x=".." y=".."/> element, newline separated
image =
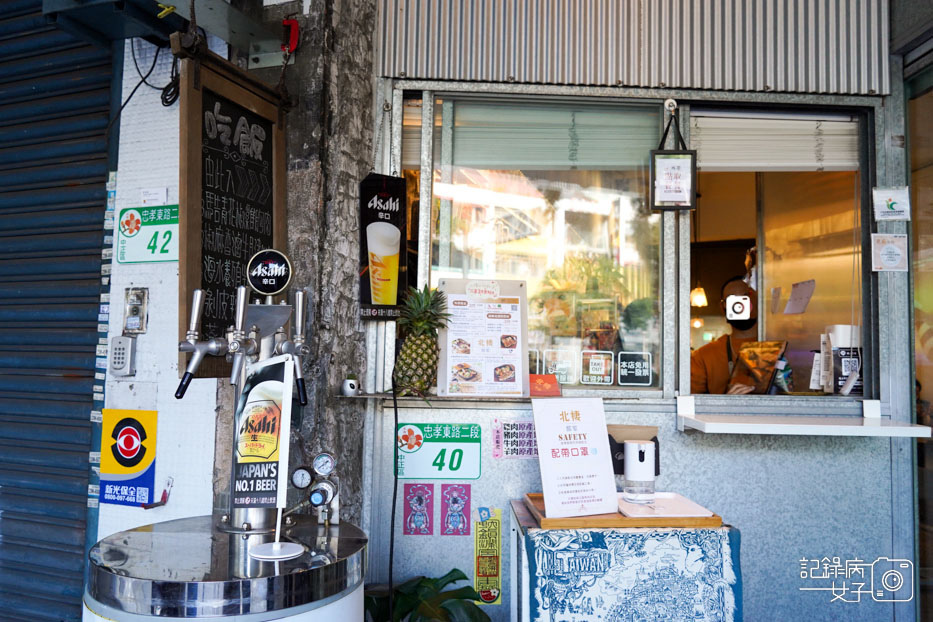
<point x="394" y="499"/>
<point x="133" y="92"/>
<point x="138" y="71"/>
<point x="171" y="90"/>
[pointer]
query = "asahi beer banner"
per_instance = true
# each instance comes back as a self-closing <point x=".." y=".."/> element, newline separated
<point x="263" y="420"/>
<point x="383" y="246"/>
<point x="127" y="456"/>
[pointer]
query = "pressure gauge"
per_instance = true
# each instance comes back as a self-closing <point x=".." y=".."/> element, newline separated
<point x="323" y="464"/>
<point x="301" y="478"/>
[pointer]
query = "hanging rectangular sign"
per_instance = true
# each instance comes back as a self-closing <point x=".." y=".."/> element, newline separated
<point x="439" y="450"/>
<point x="148" y="234"/>
<point x="383" y="246"/>
<point x="263" y="420"/>
<point x="127" y="456"/>
<point x="673" y="180"/>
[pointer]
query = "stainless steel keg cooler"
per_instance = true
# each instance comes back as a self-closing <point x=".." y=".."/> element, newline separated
<point x="226" y="565"/>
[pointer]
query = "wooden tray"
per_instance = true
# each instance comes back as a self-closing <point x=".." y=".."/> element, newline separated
<point x="534" y="501"/>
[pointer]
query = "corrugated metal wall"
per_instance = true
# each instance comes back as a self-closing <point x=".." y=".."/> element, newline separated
<point x="54" y="109"/>
<point x="804" y="46"/>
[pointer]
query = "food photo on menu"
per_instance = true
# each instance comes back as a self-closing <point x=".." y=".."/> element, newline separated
<point x="508" y="341"/>
<point x="464" y="372"/>
<point x="460" y="346"/>
<point x="504" y="373"/>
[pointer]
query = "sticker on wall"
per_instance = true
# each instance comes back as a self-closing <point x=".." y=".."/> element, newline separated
<point x="148" y="234"/>
<point x="487" y="580"/>
<point x="889" y="252"/>
<point x="891" y="203"/>
<point x="514" y="438"/>
<point x="455" y="504"/>
<point x="561" y="364"/>
<point x="419" y="510"/>
<point x="127" y="456"/>
<point x="596" y="367"/>
<point x="635" y="369"/>
<point x="439" y="450"/>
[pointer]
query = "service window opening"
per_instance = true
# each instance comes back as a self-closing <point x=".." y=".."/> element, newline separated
<point x="788" y="240"/>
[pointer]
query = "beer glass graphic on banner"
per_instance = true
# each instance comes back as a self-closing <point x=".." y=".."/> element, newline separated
<point x="382" y="241"/>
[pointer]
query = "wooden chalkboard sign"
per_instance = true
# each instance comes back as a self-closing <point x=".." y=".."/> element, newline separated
<point x="231" y="189"/>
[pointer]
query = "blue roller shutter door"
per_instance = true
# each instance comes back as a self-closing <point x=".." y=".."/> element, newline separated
<point x="54" y="109"/>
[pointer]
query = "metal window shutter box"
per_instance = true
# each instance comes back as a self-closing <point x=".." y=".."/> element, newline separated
<point x="788" y="46"/>
<point x="54" y="109"/>
<point x="736" y="141"/>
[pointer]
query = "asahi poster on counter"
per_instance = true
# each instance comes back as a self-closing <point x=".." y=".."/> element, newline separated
<point x="263" y="420"/>
<point x="383" y="242"/>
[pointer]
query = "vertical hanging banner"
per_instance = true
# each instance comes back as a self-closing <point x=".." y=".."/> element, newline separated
<point x="383" y="246"/>
<point x="487" y="580"/>
<point x="263" y="419"/>
<point x="127" y="456"/>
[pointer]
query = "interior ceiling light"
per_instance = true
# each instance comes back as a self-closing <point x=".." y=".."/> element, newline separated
<point x="697" y="322"/>
<point x="698" y="297"/>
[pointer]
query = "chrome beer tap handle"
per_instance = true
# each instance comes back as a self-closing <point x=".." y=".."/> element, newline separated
<point x="240" y="345"/>
<point x="301" y="348"/>
<point x="198" y="349"/>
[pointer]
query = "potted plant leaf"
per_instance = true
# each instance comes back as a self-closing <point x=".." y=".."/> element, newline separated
<point x="422" y="599"/>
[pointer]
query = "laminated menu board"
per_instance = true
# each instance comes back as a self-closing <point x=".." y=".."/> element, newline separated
<point x="231" y="189"/>
<point x="484" y="347"/>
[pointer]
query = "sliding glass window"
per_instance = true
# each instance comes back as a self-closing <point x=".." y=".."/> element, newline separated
<point x="555" y="194"/>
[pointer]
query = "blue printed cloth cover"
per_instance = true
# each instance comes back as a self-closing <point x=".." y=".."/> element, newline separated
<point x="634" y="575"/>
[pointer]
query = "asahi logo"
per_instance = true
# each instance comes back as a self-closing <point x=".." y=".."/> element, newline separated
<point x="270" y="268"/>
<point x="268" y="272"/>
<point x="387" y="205"/>
<point x="264" y="423"/>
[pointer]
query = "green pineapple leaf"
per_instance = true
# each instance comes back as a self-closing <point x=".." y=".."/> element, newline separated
<point x="423" y="312"/>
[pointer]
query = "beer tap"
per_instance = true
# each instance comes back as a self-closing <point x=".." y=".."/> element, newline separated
<point x="297" y="346"/>
<point x="199" y="349"/>
<point x="240" y="346"/>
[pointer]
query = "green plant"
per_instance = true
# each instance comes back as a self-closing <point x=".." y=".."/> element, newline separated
<point x="421" y="600"/>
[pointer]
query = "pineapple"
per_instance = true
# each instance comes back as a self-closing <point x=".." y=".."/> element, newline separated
<point x="423" y="312"/>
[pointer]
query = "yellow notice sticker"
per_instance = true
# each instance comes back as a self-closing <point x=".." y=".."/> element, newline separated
<point x="487" y="580"/>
